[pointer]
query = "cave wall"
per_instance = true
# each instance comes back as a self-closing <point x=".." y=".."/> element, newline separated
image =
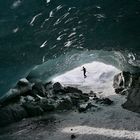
<point x="128" y="84"/>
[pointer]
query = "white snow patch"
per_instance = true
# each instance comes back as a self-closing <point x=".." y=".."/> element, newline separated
<point x="99" y="76"/>
<point x="104" y="132"/>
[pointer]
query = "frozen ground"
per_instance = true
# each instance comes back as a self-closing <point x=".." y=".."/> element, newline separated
<point x="99" y="77"/>
<point x="109" y="123"/>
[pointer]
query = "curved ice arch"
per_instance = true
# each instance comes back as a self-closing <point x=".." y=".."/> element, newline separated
<point x="68" y="61"/>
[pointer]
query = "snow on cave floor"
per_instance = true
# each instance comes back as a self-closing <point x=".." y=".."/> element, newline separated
<point x="109" y="123"/>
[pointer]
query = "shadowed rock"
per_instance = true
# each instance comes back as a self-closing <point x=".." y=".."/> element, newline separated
<point x="57" y="87"/>
<point x="27" y="100"/>
<point x="11" y="114"/>
<point x="22" y="88"/>
<point x="33" y="109"/>
<point x="47" y="105"/>
<point x="64" y="104"/>
<point x="122" y="82"/>
<point x="39" y="89"/>
<point x="87" y="106"/>
<point x="73" y="136"/>
<point x="128" y="84"/>
<point x="105" y="101"/>
<point x="72" y="90"/>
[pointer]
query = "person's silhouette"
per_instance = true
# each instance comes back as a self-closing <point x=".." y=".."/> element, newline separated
<point x="84" y="71"/>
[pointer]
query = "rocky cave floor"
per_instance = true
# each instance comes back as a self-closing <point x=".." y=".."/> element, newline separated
<point x="104" y="122"/>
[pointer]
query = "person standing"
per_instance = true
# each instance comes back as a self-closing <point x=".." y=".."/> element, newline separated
<point x="84" y="71"/>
